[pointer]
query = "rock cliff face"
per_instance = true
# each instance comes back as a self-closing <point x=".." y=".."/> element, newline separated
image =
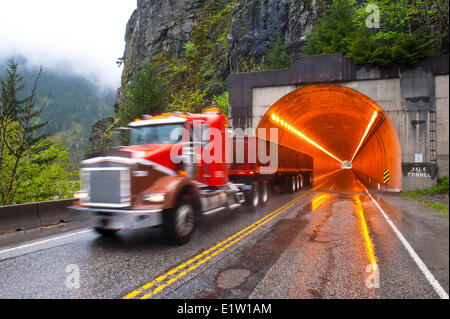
<point x="165" y="26"/>
<point x="257" y="24"/>
<point x="97" y="139"/>
<point x="158" y="25"/>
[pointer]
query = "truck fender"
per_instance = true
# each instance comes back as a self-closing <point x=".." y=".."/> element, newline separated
<point x="173" y="186"/>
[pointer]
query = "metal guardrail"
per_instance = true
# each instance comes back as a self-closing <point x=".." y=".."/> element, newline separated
<point x="32" y="215"/>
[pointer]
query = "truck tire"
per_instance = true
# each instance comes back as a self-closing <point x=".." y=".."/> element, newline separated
<point x="301" y="182"/>
<point x="253" y="197"/>
<point x="263" y="193"/>
<point x="105" y="232"/>
<point x="308" y="180"/>
<point x="179" y="223"/>
<point x="292" y="185"/>
<point x="298" y="183"/>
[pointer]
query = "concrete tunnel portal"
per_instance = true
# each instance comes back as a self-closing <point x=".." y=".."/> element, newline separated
<point x="335" y="124"/>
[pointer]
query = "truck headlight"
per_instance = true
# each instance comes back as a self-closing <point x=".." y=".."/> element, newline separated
<point x="154" y="197"/>
<point x="80" y="195"/>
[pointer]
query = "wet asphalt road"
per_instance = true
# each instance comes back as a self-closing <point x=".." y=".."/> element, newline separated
<point x="328" y="241"/>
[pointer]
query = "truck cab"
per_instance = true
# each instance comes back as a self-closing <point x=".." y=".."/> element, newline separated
<point x="168" y="170"/>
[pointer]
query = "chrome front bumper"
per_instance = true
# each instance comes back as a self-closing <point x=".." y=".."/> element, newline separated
<point x="106" y="218"/>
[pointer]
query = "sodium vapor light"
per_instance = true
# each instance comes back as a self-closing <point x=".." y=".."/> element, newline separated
<point x="303" y="136"/>
<point x="372" y="120"/>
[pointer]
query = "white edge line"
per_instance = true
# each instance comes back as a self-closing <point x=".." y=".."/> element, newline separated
<point x="44" y="241"/>
<point x="431" y="279"/>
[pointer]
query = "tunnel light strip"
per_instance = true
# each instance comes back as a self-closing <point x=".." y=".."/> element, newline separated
<point x="293" y="130"/>
<point x="372" y="120"/>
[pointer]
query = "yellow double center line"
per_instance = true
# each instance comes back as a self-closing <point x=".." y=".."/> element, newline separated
<point x="201" y="258"/>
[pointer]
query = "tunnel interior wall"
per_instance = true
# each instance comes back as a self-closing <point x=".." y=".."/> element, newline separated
<point x="382" y="151"/>
<point x="336" y="117"/>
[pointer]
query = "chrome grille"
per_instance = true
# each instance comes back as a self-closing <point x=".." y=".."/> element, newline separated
<point x="107" y="186"/>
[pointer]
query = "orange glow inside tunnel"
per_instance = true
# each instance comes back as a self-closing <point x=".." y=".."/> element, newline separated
<point x="333" y="124"/>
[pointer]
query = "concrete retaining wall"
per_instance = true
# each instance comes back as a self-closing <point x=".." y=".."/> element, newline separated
<point x="26" y="216"/>
<point x="442" y="129"/>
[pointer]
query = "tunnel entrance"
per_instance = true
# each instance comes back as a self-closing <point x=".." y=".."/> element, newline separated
<point x="336" y="124"/>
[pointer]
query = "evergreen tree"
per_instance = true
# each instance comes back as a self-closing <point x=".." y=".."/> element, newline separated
<point x="11" y="89"/>
<point x="333" y="31"/>
<point x="408" y="31"/>
<point x="146" y="95"/>
<point x="19" y="128"/>
<point x="404" y="35"/>
<point x="277" y="57"/>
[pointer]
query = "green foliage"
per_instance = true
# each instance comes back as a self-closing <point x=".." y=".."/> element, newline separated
<point x="41" y="174"/>
<point x="277" y="57"/>
<point x="198" y="75"/>
<point x="191" y="50"/>
<point x="146" y="95"/>
<point x="32" y="166"/>
<point x="247" y="64"/>
<point x="187" y="100"/>
<point x="221" y="101"/>
<point x="45" y="175"/>
<point x="443" y="185"/>
<point x="409" y="31"/>
<point x="439" y="207"/>
<point x="435" y="205"/>
<point x="332" y="33"/>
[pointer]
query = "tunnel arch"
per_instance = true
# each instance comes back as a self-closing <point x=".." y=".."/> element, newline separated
<point x="336" y="118"/>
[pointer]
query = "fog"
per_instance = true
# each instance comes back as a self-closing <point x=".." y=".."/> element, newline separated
<point x="81" y="37"/>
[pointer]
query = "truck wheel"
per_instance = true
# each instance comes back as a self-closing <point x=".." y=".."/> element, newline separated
<point x="301" y="182"/>
<point x="292" y="185"/>
<point x="253" y="197"/>
<point x="180" y="221"/>
<point x="264" y="193"/>
<point x="105" y="232"/>
<point x="298" y="181"/>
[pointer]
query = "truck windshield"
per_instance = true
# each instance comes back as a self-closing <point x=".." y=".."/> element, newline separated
<point x="156" y="134"/>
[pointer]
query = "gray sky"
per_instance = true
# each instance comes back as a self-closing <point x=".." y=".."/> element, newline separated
<point x="81" y="36"/>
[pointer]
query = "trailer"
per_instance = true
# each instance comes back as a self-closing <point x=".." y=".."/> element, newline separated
<point x="172" y="169"/>
<point x="283" y="166"/>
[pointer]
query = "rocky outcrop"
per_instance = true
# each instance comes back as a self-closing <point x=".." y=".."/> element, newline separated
<point x="157" y="25"/>
<point x="257" y="24"/>
<point x="97" y="138"/>
<point x="165" y="25"/>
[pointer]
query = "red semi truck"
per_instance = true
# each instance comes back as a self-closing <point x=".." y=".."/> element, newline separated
<point x="175" y="167"/>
